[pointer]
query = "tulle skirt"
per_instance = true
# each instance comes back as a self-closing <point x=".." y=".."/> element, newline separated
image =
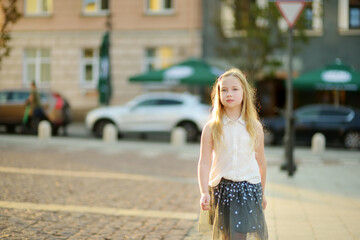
<point x="236" y="211"/>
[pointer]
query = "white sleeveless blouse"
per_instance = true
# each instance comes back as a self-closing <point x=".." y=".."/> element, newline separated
<point x="235" y="160"/>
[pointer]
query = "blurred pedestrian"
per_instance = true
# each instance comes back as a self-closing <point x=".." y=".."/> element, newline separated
<point x="34" y="112"/>
<point x="62" y="109"/>
<point x="232" y="165"/>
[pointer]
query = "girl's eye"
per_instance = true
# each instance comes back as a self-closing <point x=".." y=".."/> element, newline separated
<point x="223" y="90"/>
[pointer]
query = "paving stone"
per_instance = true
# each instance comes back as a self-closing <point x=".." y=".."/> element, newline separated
<point x="321" y="183"/>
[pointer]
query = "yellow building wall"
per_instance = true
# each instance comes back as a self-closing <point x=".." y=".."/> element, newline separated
<point x="66" y="32"/>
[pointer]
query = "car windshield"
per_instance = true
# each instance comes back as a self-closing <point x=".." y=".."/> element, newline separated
<point x="323" y="114"/>
<point x="3" y="97"/>
<point x="146" y="103"/>
<point x="168" y="102"/>
<point x="132" y="102"/>
<point x="307" y="114"/>
<point x="17" y="96"/>
<point x="159" y="102"/>
<point x="335" y="112"/>
<point x="43" y="96"/>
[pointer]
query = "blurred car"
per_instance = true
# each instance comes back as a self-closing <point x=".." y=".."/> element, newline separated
<point x="12" y="108"/>
<point x="152" y="112"/>
<point x="339" y="124"/>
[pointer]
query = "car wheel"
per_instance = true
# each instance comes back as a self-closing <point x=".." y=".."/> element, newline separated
<point x="269" y="137"/>
<point x="34" y="125"/>
<point x="352" y="140"/>
<point x="191" y="131"/>
<point x="55" y="131"/>
<point x="99" y="128"/>
<point x="143" y="136"/>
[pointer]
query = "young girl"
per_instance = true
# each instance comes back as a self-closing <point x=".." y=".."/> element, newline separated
<point x="232" y="166"/>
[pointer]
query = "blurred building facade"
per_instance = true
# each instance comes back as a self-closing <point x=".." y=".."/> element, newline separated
<point x="56" y="44"/>
<point x="333" y="31"/>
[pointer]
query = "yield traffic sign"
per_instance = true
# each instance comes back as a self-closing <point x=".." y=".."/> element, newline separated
<point x="290" y="10"/>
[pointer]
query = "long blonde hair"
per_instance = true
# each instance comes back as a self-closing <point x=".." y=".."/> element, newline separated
<point x="248" y="112"/>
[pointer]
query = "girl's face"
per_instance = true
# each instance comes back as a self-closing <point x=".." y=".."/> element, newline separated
<point x="231" y="92"/>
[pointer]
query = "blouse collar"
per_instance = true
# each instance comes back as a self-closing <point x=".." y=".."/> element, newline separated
<point x="226" y="120"/>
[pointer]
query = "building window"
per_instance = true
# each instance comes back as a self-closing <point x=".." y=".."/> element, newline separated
<point x="95" y="7"/>
<point x="349" y="17"/>
<point x="159" y="6"/>
<point x="308" y="12"/>
<point x="354" y="14"/>
<point x="37" y="66"/>
<point x="239" y="15"/>
<point x="38" y="7"/>
<point x="158" y="58"/>
<point x="89" y="68"/>
<point x="243" y="14"/>
<point x="313" y="15"/>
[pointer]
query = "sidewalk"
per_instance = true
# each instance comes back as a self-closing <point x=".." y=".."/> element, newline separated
<point x="321" y="201"/>
<point x="318" y="203"/>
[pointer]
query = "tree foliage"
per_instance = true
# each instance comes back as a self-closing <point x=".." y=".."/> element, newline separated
<point x="255" y="37"/>
<point x="8" y="15"/>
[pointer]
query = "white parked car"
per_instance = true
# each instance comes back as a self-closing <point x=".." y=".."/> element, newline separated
<point x="152" y="112"/>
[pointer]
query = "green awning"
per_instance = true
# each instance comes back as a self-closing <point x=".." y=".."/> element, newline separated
<point x="336" y="76"/>
<point x="191" y="72"/>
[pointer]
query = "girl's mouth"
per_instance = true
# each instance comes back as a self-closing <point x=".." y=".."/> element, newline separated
<point x="229" y="100"/>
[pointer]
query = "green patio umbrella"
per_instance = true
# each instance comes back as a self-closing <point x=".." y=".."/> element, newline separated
<point x="104" y="84"/>
<point x="191" y="72"/>
<point x="336" y="76"/>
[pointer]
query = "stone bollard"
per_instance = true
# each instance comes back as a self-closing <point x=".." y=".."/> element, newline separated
<point x="44" y="130"/>
<point x="110" y="133"/>
<point x="318" y="143"/>
<point x="178" y="136"/>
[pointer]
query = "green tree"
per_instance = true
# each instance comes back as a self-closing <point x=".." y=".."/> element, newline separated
<point x="8" y="15"/>
<point x="253" y="38"/>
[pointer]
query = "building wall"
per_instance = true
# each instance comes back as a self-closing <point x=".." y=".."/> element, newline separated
<point x="67" y="32"/>
<point x="326" y="44"/>
<point x="332" y="44"/>
<point x="126" y="15"/>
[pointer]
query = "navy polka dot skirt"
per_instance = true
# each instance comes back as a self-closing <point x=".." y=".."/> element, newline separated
<point x="236" y="211"/>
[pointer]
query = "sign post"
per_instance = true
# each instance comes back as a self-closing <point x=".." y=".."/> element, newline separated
<point x="290" y="10"/>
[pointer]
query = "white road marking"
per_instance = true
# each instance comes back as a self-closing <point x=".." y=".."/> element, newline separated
<point x="103" y="175"/>
<point x="98" y="210"/>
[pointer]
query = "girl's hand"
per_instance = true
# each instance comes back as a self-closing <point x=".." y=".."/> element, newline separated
<point x="205" y="201"/>
<point x="264" y="202"/>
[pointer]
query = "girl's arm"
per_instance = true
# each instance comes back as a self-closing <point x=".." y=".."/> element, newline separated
<point x="204" y="166"/>
<point x="260" y="157"/>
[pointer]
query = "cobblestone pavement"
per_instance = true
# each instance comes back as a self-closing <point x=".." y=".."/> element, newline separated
<point x="86" y="189"/>
<point x="90" y="192"/>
